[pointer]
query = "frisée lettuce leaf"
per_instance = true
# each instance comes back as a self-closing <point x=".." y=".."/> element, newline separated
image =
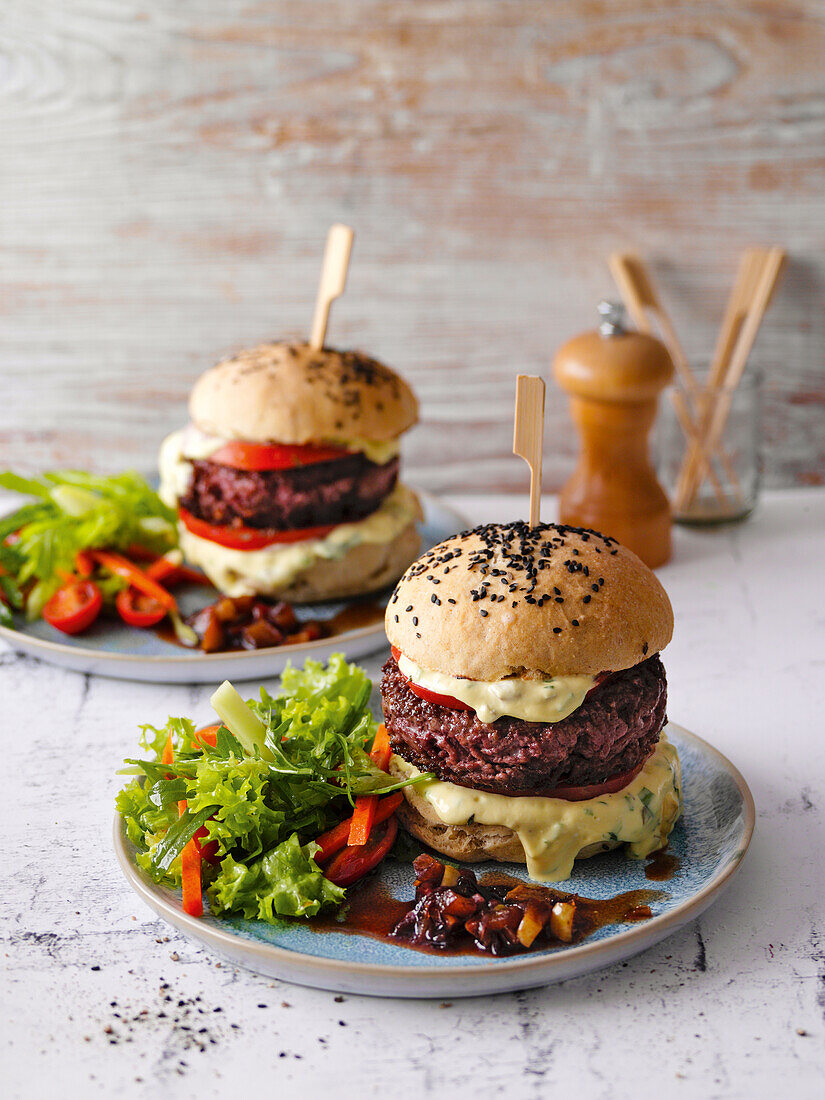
<point x="284" y="769"/>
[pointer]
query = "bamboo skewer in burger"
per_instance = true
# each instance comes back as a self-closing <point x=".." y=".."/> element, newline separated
<point x="525" y="676"/>
<point x="286" y="479"/>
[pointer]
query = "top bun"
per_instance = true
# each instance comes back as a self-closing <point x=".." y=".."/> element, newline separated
<point x="514" y="600"/>
<point x="292" y="393"/>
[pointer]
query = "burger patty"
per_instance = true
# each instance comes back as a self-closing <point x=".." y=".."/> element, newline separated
<point x="612" y="732"/>
<point x="339" y="491"/>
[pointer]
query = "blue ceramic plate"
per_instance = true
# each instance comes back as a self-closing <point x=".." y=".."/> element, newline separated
<point x="112" y="649"/>
<point x="709" y="842"/>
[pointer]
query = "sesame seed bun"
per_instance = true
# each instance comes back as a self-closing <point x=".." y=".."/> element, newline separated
<point x="291" y="393"/>
<point x="514" y="600"/>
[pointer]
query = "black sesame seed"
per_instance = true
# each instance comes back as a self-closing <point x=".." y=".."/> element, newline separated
<point x="481" y="611"/>
<point x="415" y="620"/>
<point x="575" y="622"/>
<point x="557" y="630"/>
<point x="587" y="599"/>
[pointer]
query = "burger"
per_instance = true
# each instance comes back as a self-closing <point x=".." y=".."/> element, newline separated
<point x="525" y="682"/>
<point x="286" y="479"/>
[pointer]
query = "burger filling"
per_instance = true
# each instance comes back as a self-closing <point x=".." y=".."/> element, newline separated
<point x="612" y="732"/>
<point x="535" y="700"/>
<point x="236" y="485"/>
<point x="271" y="568"/>
<point x="553" y="831"/>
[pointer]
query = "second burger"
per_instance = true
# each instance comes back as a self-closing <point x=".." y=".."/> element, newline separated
<point x="286" y="479"/>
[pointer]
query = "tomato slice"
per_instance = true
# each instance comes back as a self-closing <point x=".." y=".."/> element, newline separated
<point x="431" y="696"/>
<point x="74" y="607"/>
<point x="248" y="538"/>
<point x="274" y="456"/>
<point x="356" y="860"/>
<point x="593" y="790"/>
<point x="138" y="609"/>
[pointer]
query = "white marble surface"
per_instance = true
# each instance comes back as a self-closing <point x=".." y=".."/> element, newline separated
<point x="99" y="998"/>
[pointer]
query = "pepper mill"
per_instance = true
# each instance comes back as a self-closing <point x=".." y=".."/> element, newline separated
<point x="614" y="377"/>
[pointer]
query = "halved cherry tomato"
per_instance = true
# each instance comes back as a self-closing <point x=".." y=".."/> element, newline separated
<point x="138" y="609"/>
<point x="594" y="790"/>
<point x="248" y="538"/>
<point x="74" y="607"/>
<point x="354" y="862"/>
<point x="274" y="456"/>
<point x="431" y="696"/>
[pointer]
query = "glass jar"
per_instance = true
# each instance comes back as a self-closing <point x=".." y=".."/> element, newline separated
<point x="729" y="418"/>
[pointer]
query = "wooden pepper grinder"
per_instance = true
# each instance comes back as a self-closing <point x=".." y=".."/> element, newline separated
<point x="614" y="377"/>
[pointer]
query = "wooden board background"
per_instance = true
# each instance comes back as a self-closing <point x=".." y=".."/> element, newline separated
<point x="169" y="169"/>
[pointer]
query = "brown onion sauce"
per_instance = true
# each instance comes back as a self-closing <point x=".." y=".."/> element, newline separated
<point x="372" y="911"/>
<point x="662" y="865"/>
<point x="354" y="616"/>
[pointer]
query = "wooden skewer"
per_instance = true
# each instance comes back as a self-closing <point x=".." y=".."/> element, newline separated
<point x="333" y="279"/>
<point x="641" y="299"/>
<point x="720" y="409"/>
<point x="751" y="268"/>
<point x="528" y="435"/>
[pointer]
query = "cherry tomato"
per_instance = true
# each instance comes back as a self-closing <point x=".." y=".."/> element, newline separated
<point x="138" y="609"/>
<point x="74" y="607"/>
<point x="431" y="696"/>
<point x="355" y="861"/>
<point x="274" y="456"/>
<point x="248" y="538"/>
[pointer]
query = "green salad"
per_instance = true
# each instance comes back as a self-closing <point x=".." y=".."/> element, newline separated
<point x="72" y="512"/>
<point x="257" y="811"/>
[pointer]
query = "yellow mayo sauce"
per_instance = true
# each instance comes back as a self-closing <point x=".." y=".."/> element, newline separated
<point x="531" y="700"/>
<point x="553" y="831"/>
<point x="248" y="572"/>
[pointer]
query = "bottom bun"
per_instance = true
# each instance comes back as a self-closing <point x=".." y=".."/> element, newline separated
<point x="365" y="567"/>
<point x="471" y="843"/>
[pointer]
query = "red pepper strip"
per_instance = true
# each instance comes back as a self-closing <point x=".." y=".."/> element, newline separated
<point x="122" y="567"/>
<point x="333" y="840"/>
<point x="355" y="861"/>
<point x="209" y="850"/>
<point x="165" y="570"/>
<point x="83" y="563"/>
<point x="364" y="816"/>
<point x="140" y="553"/>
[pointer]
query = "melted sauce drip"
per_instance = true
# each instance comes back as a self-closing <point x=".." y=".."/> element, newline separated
<point x="354" y="616"/>
<point x="662" y="865"/>
<point x="372" y="911"/>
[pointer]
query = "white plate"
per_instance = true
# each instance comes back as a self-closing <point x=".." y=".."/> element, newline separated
<point x="710" y="841"/>
<point x="113" y="649"/>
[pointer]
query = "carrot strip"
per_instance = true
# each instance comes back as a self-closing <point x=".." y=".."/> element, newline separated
<point x="208" y="735"/>
<point x="363" y="818"/>
<point x="166" y="758"/>
<point x="191" y="889"/>
<point x="336" y="838"/>
<point x="122" y="567"/>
